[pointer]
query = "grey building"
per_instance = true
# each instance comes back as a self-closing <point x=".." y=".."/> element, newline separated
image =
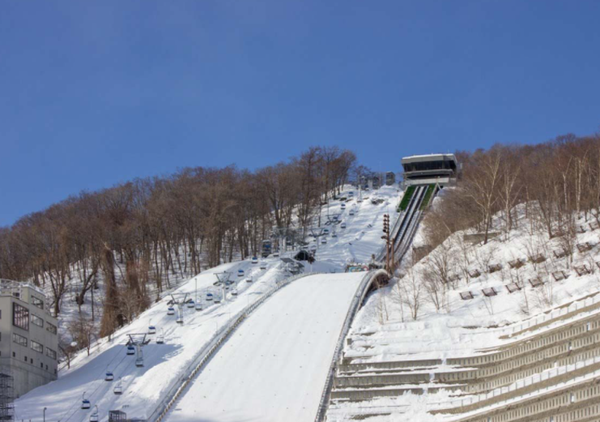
<point x="28" y="336"/>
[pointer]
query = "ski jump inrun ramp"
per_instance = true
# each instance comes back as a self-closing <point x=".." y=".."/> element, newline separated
<point x="275" y="365"/>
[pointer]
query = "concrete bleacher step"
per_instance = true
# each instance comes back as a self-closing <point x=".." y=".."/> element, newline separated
<point x="497" y="373"/>
<point x="359" y="394"/>
<point x="577" y="402"/>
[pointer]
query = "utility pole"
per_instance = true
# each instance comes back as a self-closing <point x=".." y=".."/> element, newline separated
<point x="386" y="237"/>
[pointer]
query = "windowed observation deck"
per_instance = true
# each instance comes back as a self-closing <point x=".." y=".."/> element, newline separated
<point x="440" y="169"/>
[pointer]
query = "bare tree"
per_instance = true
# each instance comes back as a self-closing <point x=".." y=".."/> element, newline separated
<point x="83" y="331"/>
<point x="480" y="185"/>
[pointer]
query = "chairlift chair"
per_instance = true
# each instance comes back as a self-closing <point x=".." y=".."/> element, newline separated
<point x="198" y="306"/>
<point x="109" y="376"/>
<point x="130" y="350"/>
<point x="160" y="339"/>
<point x="190" y="303"/>
<point x="254" y="260"/>
<point x="94" y="415"/>
<point x="139" y="362"/>
<point x="334" y="234"/>
<point x="263" y="265"/>
<point x="171" y="311"/>
<point x="179" y="319"/>
<point x="240" y="273"/>
<point x="249" y="280"/>
<point x="324" y="240"/>
<point x="151" y="329"/>
<point x="85" y="403"/>
<point x="343" y="226"/>
<point x="217" y="299"/>
<point x="209" y="297"/>
<point x="118" y="390"/>
<point x="234" y="292"/>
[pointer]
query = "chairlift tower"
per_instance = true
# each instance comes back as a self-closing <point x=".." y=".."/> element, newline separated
<point x="179" y="303"/>
<point x="138" y="340"/>
<point x="316" y="232"/>
<point x="333" y="219"/>
<point x="223" y="278"/>
<point x="284" y="233"/>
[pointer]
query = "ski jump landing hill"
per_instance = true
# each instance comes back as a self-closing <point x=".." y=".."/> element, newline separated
<point x="275" y="365"/>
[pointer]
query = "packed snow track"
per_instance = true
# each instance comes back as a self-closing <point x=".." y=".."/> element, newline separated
<point x="275" y="365"/>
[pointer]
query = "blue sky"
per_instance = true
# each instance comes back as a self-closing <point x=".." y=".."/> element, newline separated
<point x="96" y="93"/>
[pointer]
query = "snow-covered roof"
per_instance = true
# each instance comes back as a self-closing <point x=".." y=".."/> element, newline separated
<point x="428" y="157"/>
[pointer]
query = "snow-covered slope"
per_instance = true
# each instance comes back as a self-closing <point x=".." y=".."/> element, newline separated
<point x="447" y="326"/>
<point x="163" y="363"/>
<point x="166" y="365"/>
<point x="275" y="365"/>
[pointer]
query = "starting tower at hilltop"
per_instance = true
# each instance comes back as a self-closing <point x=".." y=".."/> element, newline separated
<point x="431" y="169"/>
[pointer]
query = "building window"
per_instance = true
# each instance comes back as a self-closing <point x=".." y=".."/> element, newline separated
<point x="37" y="302"/>
<point x="20" y="316"/>
<point x="20" y="340"/>
<point x="37" y="346"/>
<point x="14" y="355"/>
<point x="42" y="365"/>
<point x="36" y="320"/>
<point x="50" y="353"/>
<point x="51" y="328"/>
<point x="25" y="358"/>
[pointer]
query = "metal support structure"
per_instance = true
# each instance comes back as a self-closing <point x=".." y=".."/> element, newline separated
<point x="179" y="303"/>
<point x="139" y="341"/>
<point x="223" y="278"/>
<point x="388" y="242"/>
<point x="316" y="232"/>
<point x="283" y="234"/>
<point x="6" y="398"/>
